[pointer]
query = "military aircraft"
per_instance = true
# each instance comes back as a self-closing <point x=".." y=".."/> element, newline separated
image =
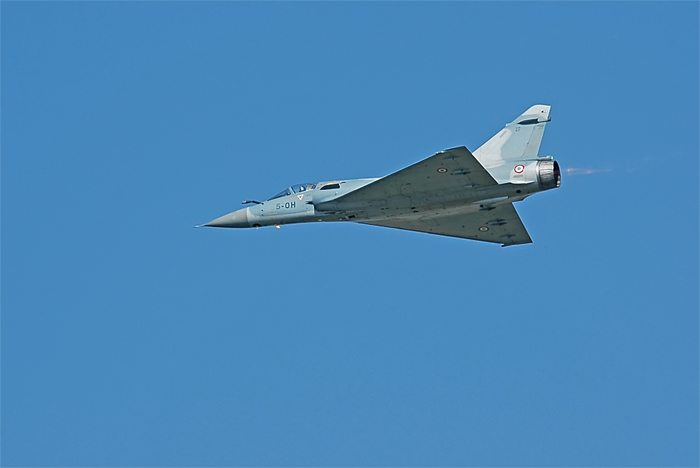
<point x="452" y="193"/>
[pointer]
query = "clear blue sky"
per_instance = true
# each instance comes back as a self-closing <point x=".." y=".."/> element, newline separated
<point x="131" y="339"/>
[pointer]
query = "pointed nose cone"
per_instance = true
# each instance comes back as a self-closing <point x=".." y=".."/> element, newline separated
<point x="237" y="219"/>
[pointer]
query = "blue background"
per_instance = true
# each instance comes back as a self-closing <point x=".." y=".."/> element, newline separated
<point x="131" y="339"/>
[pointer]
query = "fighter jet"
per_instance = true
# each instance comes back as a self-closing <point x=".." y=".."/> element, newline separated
<point x="452" y="193"/>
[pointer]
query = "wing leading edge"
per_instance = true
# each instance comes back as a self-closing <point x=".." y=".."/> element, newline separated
<point x="501" y="225"/>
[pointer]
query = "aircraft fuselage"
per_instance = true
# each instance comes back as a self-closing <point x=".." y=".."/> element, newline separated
<point x="452" y="193"/>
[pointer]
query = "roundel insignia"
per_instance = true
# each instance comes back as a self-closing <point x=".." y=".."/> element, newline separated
<point x="483" y="228"/>
<point x="519" y="169"/>
<point x="442" y="170"/>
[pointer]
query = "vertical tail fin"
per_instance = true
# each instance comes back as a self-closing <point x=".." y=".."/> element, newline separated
<point x="519" y="140"/>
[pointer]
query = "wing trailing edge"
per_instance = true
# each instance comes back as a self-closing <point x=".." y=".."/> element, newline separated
<point x="499" y="224"/>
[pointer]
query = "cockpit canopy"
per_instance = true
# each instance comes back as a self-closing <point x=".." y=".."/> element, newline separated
<point x="299" y="188"/>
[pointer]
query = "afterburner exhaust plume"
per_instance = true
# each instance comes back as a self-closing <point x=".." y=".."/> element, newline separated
<point x="583" y="171"/>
